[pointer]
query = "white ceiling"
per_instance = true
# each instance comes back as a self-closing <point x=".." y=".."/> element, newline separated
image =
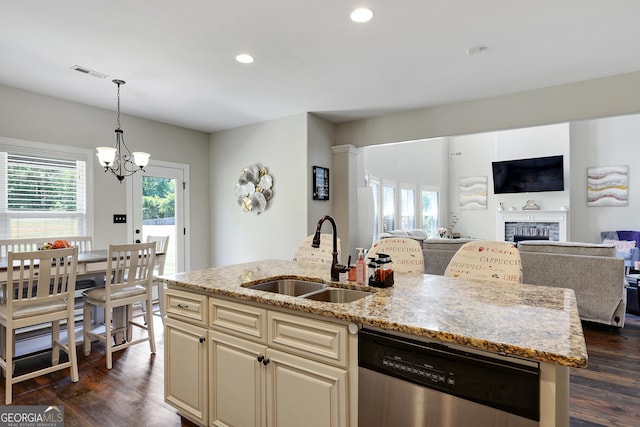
<point x="177" y="57"/>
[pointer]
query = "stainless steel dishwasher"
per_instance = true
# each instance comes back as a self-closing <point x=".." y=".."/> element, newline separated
<point x="403" y="382"/>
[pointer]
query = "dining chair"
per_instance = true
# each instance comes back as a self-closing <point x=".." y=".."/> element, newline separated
<point x="17" y="245"/>
<point x="321" y="255"/>
<point x="129" y="281"/>
<point x="405" y="252"/>
<point x="40" y="289"/>
<point x="486" y="260"/>
<point x="162" y="246"/>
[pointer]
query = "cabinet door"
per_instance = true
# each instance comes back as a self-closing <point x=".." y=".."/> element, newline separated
<point x="185" y="369"/>
<point x="237" y="381"/>
<point x="302" y="392"/>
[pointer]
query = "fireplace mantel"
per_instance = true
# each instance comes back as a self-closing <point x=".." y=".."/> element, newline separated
<point x="533" y="216"/>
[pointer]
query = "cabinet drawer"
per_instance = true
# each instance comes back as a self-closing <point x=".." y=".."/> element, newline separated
<point x="239" y="319"/>
<point x="187" y="306"/>
<point x="315" y="339"/>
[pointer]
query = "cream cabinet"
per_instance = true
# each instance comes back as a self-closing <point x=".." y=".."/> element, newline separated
<point x="301" y="392"/>
<point x="185" y="354"/>
<point x="271" y="368"/>
<point x="245" y="364"/>
<point x="237" y="379"/>
<point x="255" y="385"/>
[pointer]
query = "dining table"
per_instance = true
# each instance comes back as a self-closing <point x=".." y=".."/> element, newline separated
<point x="91" y="272"/>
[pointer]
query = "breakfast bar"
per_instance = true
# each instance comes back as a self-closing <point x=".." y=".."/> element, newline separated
<point x="535" y="326"/>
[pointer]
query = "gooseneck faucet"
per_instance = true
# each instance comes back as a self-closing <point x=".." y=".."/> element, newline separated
<point x="336" y="269"/>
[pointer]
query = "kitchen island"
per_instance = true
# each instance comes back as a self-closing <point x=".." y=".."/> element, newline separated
<point x="520" y="322"/>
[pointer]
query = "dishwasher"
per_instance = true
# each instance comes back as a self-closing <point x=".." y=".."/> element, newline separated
<point x="404" y="382"/>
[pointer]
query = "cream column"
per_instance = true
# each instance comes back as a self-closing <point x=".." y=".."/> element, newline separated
<point x="345" y="192"/>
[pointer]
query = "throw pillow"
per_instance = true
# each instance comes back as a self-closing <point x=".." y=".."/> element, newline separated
<point x="621" y="245"/>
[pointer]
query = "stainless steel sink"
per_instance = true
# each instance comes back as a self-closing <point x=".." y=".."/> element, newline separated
<point x="291" y="287"/>
<point x="337" y="295"/>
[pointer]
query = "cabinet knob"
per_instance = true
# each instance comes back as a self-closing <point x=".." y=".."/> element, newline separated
<point x="201" y="339"/>
<point x="260" y="358"/>
<point x="265" y="362"/>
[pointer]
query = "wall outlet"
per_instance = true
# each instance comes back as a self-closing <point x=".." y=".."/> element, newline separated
<point x="119" y="219"/>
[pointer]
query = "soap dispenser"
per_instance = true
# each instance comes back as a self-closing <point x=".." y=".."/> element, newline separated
<point x="361" y="268"/>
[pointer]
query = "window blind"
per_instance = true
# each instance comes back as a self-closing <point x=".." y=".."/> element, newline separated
<point x="42" y="194"/>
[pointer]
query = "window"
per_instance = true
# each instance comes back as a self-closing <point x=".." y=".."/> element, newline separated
<point x="388" y="207"/>
<point x="43" y="190"/>
<point x="375" y="187"/>
<point x="412" y="209"/>
<point x="430" y="207"/>
<point x="407" y="207"/>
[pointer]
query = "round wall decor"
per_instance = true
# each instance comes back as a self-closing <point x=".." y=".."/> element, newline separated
<point x="254" y="189"/>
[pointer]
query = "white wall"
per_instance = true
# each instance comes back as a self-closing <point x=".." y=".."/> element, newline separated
<point x="281" y="147"/>
<point x="34" y="117"/>
<point x="574" y="103"/>
<point x="610" y="96"/>
<point x="320" y="136"/>
<point x="539" y="141"/>
<point x="471" y="155"/>
<point x="604" y="142"/>
<point x="419" y="163"/>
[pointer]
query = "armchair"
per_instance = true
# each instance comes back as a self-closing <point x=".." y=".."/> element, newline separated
<point x="627" y="244"/>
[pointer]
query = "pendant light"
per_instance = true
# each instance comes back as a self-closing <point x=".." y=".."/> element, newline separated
<point x="118" y="159"/>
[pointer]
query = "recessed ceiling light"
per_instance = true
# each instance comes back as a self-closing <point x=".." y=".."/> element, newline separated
<point x="244" y="58"/>
<point x="362" y="15"/>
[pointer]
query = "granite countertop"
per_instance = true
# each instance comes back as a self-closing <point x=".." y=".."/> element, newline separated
<point x="528" y="321"/>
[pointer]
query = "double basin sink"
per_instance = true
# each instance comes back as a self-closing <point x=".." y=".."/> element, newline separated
<point x="310" y="290"/>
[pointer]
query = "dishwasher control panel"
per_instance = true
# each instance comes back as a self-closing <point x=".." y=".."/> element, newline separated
<point x="423" y="373"/>
<point x="509" y="386"/>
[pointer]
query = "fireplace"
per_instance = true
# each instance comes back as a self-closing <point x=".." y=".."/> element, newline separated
<point x="515" y="226"/>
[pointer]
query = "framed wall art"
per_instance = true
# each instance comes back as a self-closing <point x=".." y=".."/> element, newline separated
<point x="608" y="186"/>
<point x="320" y="183"/>
<point x="473" y="193"/>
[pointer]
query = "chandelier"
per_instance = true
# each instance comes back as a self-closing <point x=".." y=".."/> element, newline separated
<point x="118" y="159"/>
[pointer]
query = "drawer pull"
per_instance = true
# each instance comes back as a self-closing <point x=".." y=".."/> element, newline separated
<point x="182" y="305"/>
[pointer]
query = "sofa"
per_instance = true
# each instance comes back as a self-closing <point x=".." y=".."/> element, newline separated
<point x="593" y="271"/>
<point x="438" y="252"/>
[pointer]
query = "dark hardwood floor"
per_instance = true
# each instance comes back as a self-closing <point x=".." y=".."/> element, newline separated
<point x="606" y="393"/>
<point x="130" y="394"/>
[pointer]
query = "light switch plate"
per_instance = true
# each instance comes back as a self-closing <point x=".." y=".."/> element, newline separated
<point x="119" y="218"/>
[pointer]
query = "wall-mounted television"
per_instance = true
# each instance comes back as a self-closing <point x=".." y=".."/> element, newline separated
<point x="528" y="175"/>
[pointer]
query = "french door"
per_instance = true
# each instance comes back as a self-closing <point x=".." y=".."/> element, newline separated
<point x="158" y="206"/>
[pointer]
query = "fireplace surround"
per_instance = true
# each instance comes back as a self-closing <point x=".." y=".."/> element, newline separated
<point x="516" y="226"/>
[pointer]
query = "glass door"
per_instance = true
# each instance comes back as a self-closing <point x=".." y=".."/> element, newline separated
<point x="158" y="209"/>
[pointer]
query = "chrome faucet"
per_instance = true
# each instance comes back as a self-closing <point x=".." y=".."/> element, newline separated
<point x="336" y="268"/>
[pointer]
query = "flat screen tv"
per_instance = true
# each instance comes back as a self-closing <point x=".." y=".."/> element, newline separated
<point x="528" y="175"/>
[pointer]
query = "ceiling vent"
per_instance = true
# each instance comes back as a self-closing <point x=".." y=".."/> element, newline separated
<point x="85" y="70"/>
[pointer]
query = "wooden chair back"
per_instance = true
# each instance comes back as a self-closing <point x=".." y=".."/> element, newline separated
<point x="130" y="265"/>
<point x="41" y="278"/>
<point x="83" y="243"/>
<point x="162" y="246"/>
